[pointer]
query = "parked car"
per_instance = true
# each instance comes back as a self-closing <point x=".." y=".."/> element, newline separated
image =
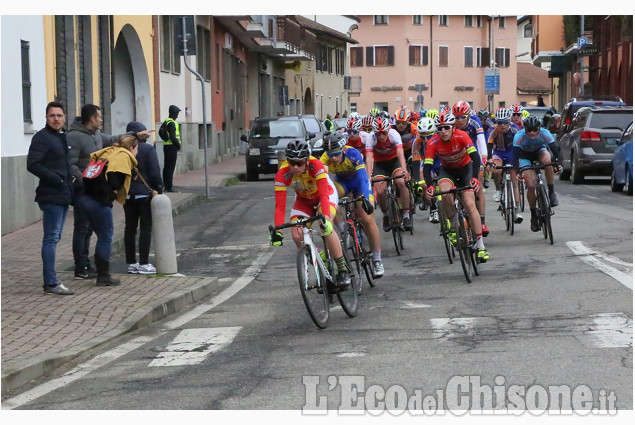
<point x="587" y="149"/>
<point x="340" y="123"/>
<point x="622" y="174"/>
<point x="315" y="126"/>
<point x="539" y="111"/>
<point x="268" y="136"/>
<point x="576" y="103"/>
<point x="552" y="125"/>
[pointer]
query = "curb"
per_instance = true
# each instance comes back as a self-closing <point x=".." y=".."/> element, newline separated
<point x="41" y="365"/>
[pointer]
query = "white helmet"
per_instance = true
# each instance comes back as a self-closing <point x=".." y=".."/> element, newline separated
<point x="503" y="114"/>
<point x="426" y="125"/>
<point x="353" y="115"/>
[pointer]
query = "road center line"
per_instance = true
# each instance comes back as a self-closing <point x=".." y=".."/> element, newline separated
<point x="589" y="257"/>
<point x="123" y="349"/>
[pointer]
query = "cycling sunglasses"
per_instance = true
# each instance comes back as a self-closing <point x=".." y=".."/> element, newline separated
<point x="516" y="115"/>
<point x="367" y="129"/>
<point x="531" y="129"/>
<point x="293" y="163"/>
<point x="334" y="153"/>
<point x="502" y="122"/>
<point x="426" y="136"/>
<point x="461" y="117"/>
<point x="444" y="127"/>
<point x="381" y="133"/>
<point x="352" y="131"/>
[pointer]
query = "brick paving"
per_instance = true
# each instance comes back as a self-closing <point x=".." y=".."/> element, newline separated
<point x="41" y="332"/>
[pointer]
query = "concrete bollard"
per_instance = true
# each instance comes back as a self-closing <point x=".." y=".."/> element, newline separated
<point x="163" y="232"/>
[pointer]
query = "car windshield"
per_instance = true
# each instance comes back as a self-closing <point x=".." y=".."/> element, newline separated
<point x="312" y="125"/>
<point x="279" y="128"/>
<point x="614" y="120"/>
<point x="538" y="113"/>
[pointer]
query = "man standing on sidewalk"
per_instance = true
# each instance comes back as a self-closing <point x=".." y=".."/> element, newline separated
<point x="48" y="160"/>
<point x="84" y="137"/>
<point x="171" y="146"/>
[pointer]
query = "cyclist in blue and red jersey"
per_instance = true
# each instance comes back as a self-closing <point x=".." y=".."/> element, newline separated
<point x="459" y="167"/>
<point x="350" y="177"/>
<point x="534" y="143"/>
<point x="385" y="158"/>
<point x="315" y="192"/>
<point x="462" y="110"/>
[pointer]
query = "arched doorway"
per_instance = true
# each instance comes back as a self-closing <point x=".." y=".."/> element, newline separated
<point x="132" y="100"/>
<point x="309" y="108"/>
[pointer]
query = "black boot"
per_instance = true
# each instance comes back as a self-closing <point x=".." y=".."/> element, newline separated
<point x="103" y="273"/>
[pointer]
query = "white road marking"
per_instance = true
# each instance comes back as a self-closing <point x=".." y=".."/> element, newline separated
<point x="612" y="330"/>
<point x="192" y="346"/>
<point x="123" y="349"/>
<point x="588" y="256"/>
<point x="357" y="354"/>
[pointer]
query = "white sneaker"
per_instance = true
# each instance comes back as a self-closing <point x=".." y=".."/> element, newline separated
<point x="379" y="268"/>
<point x="133" y="268"/>
<point x="147" y="269"/>
<point x="497" y="196"/>
<point x="519" y="218"/>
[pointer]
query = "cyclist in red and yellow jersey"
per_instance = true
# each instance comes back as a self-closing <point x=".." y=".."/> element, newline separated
<point x="315" y="192"/>
<point x="459" y="167"/>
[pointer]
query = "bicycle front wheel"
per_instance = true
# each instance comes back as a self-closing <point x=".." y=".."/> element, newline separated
<point x="367" y="256"/>
<point x="313" y="288"/>
<point x="348" y="299"/>
<point x="354" y="253"/>
<point x="544" y="209"/>
<point x="444" y="234"/>
<point x="395" y="224"/>
<point x="464" y="247"/>
<point x="521" y="195"/>
<point x="509" y="205"/>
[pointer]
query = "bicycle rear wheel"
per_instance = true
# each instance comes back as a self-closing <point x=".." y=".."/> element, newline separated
<point x="395" y="223"/>
<point x="367" y="256"/>
<point x="348" y="298"/>
<point x="313" y="288"/>
<point x="521" y="195"/>
<point x="354" y="253"/>
<point x="509" y="205"/>
<point x="449" y="249"/>
<point x="464" y="247"/>
<point x="544" y="209"/>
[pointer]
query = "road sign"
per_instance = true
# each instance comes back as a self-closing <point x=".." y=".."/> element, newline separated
<point x="582" y="41"/>
<point x="588" y="50"/>
<point x="492" y="81"/>
<point x="420" y="87"/>
<point x="190" y="35"/>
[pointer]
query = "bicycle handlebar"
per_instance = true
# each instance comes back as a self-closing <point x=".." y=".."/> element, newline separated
<point x="346" y="200"/>
<point x="387" y="179"/>
<point x="454" y="190"/>
<point x="538" y="167"/>
<point x="300" y="222"/>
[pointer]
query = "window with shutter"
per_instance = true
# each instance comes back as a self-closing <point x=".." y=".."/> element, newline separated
<point x="381" y="56"/>
<point x="418" y="55"/>
<point x="26" y="80"/>
<point x="483" y="56"/>
<point x="468" y="21"/>
<point x="380" y="19"/>
<point x="443" y="56"/>
<point x="501" y="22"/>
<point x="357" y="56"/>
<point x="370" y="56"/>
<point x="469" y="56"/>
<point x="417" y="19"/>
<point x="443" y="20"/>
<point x="391" y="55"/>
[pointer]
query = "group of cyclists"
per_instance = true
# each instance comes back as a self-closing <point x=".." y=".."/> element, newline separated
<point x="438" y="150"/>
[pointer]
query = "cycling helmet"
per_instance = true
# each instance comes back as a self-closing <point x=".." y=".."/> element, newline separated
<point x="503" y="114"/>
<point x="374" y="112"/>
<point x="297" y="149"/>
<point x="384" y="114"/>
<point x="531" y="122"/>
<point x="381" y="124"/>
<point x="354" y="115"/>
<point x="368" y="121"/>
<point x="444" y="118"/>
<point x="483" y="113"/>
<point x="402" y="114"/>
<point x="335" y="141"/>
<point x="426" y="125"/>
<point x="525" y="113"/>
<point x="432" y="113"/>
<point x="516" y="109"/>
<point x="461" y="108"/>
<point x="354" y="123"/>
<point x="415" y="116"/>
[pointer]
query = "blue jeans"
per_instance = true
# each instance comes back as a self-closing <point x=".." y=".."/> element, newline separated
<point x="53" y="223"/>
<point x="100" y="217"/>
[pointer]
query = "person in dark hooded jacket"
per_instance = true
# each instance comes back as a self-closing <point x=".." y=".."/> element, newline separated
<point x="171" y="146"/>
<point x="137" y="206"/>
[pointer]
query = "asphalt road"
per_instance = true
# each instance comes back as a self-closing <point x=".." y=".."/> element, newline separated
<point x="538" y="316"/>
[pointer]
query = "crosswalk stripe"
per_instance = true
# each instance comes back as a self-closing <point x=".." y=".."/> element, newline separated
<point x="589" y="256"/>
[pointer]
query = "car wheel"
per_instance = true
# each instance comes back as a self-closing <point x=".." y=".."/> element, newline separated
<point x="615" y="186"/>
<point x="629" y="181"/>
<point x="576" y="175"/>
<point x="251" y="175"/>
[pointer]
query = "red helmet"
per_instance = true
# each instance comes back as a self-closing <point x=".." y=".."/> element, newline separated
<point x="516" y="109"/>
<point x="381" y="124"/>
<point x="461" y="108"/>
<point x="415" y="116"/>
<point x="354" y="123"/>
<point x="367" y="121"/>
<point x="445" y="118"/>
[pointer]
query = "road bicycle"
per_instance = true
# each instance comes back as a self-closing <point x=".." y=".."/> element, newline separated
<point x="543" y="204"/>
<point x="316" y="275"/>
<point x="465" y="241"/>
<point x="356" y="242"/>
<point x="521" y="195"/>
<point x="393" y="210"/>
<point x="507" y="202"/>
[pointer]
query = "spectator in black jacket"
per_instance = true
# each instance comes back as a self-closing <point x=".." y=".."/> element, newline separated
<point x="137" y="206"/>
<point x="48" y="160"/>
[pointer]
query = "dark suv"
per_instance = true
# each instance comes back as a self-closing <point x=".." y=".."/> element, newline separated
<point x="576" y="103"/>
<point x="587" y="148"/>
<point x="269" y="136"/>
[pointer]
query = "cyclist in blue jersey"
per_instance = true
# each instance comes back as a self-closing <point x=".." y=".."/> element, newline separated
<point x="462" y="111"/>
<point x="350" y="176"/>
<point x="501" y="152"/>
<point x="534" y="143"/>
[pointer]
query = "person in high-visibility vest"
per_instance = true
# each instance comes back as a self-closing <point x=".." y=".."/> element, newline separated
<point x="171" y="146"/>
<point x="328" y="123"/>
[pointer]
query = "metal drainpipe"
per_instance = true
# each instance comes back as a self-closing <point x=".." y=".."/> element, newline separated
<point x="431" y="61"/>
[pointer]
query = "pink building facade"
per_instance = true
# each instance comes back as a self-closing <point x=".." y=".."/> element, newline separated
<point x="446" y="54"/>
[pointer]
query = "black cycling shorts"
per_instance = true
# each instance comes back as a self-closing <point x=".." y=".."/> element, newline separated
<point x="458" y="176"/>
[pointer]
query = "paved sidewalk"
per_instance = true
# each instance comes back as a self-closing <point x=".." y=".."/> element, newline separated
<point x="41" y="332"/>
